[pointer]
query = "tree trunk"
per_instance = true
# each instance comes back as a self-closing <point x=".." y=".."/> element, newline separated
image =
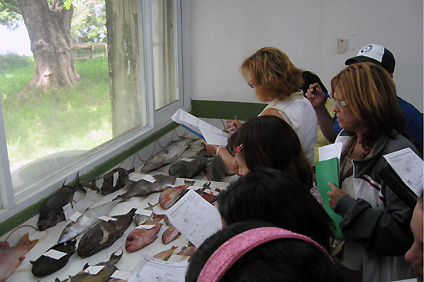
<point x="49" y="30"/>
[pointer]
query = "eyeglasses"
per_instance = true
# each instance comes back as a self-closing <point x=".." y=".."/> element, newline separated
<point x="340" y="104"/>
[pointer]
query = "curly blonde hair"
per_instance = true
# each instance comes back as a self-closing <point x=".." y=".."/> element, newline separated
<point x="270" y="71"/>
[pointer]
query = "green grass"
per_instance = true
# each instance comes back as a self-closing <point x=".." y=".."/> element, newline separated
<point x="40" y="123"/>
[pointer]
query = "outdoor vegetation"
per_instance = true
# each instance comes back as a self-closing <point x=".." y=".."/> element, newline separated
<point x="46" y="107"/>
<point x="39" y="123"/>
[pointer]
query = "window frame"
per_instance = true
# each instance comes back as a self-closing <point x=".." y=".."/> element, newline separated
<point x="156" y="120"/>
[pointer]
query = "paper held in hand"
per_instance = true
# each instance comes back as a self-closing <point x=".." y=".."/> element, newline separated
<point x="211" y="134"/>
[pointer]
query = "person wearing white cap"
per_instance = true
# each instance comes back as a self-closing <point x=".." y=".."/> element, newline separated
<point x="379" y="55"/>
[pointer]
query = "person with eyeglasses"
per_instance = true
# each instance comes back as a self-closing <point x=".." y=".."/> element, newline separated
<point x="375" y="221"/>
<point x="276" y="81"/>
<point x="379" y="55"/>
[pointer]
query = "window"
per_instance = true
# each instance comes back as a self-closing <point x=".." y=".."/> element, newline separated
<point x="109" y="101"/>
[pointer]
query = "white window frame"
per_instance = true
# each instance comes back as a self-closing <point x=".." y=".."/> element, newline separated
<point x="11" y="205"/>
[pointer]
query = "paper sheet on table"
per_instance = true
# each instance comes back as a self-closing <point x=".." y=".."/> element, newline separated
<point x="195" y="218"/>
<point x="150" y="269"/>
<point x="330" y="151"/>
<point x="208" y="132"/>
<point x="409" y="166"/>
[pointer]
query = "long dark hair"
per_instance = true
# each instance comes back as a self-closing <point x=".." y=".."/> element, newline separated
<point x="270" y="141"/>
<point x="269" y="195"/>
<point x="286" y="260"/>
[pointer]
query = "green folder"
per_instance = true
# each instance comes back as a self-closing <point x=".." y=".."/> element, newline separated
<point x="328" y="171"/>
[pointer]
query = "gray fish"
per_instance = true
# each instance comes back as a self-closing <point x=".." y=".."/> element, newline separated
<point x="52" y="211"/>
<point x="167" y="155"/>
<point x="189" y="168"/>
<point x="143" y="187"/>
<point x="75" y="228"/>
<point x="114" y="180"/>
<point x="104" y="234"/>
<point x="216" y="170"/>
<point x="46" y="265"/>
<point x="102" y="276"/>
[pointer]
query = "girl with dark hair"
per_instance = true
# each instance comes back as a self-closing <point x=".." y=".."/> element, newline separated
<point x="252" y="251"/>
<point x="271" y="142"/>
<point x="269" y="195"/>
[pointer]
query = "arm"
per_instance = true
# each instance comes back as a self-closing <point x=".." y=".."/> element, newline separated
<point x="325" y="121"/>
<point x="382" y="232"/>
<point x="223" y="153"/>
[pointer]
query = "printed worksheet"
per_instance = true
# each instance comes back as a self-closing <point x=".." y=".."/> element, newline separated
<point x="206" y="131"/>
<point x="195" y="218"/>
<point x="150" y="269"/>
<point x="409" y="166"/>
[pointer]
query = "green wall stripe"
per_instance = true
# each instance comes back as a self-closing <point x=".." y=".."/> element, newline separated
<point x="225" y="110"/>
<point x="200" y="108"/>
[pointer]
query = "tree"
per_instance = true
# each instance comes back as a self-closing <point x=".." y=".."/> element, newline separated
<point x="49" y="28"/>
<point x="89" y="22"/>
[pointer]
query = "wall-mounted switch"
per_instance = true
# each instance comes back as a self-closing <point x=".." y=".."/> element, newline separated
<point x="341" y="45"/>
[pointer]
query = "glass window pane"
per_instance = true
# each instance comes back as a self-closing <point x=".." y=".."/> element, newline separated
<point x="164" y="58"/>
<point x="60" y="108"/>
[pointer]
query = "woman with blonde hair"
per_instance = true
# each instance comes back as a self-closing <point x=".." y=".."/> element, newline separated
<point x="375" y="221"/>
<point x="277" y="81"/>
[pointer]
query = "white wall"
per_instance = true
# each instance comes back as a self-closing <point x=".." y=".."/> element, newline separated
<point x="224" y="32"/>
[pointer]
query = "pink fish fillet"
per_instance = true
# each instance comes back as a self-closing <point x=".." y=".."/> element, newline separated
<point x="12" y="257"/>
<point x="171" y="195"/>
<point x="139" y="238"/>
<point x="170" y="234"/>
<point x="165" y="255"/>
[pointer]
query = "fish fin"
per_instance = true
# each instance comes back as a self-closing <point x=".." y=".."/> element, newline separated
<point x="85" y="267"/>
<point x="78" y="186"/>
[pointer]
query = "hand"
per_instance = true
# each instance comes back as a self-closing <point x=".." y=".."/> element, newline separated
<point x="232" y="125"/>
<point x="211" y="148"/>
<point x="316" y="96"/>
<point x="335" y="194"/>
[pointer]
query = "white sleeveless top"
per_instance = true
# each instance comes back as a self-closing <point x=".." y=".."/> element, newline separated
<point x="298" y="112"/>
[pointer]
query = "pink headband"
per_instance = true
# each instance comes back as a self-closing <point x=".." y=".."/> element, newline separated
<point x="229" y="252"/>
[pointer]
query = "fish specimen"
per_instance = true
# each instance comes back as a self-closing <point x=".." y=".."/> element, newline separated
<point x="102" y="276"/>
<point x="12" y="257"/>
<point x="46" y="265"/>
<point x="143" y="187"/>
<point x="114" y="180"/>
<point x="165" y="255"/>
<point x="167" y="155"/>
<point x="189" y="167"/>
<point x="151" y="219"/>
<point x="170" y="234"/>
<point x="210" y="197"/>
<point x="86" y="220"/>
<point x="187" y="251"/>
<point x="52" y="211"/>
<point x="171" y="195"/>
<point x="104" y="234"/>
<point x="141" y="237"/>
<point x="216" y="170"/>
